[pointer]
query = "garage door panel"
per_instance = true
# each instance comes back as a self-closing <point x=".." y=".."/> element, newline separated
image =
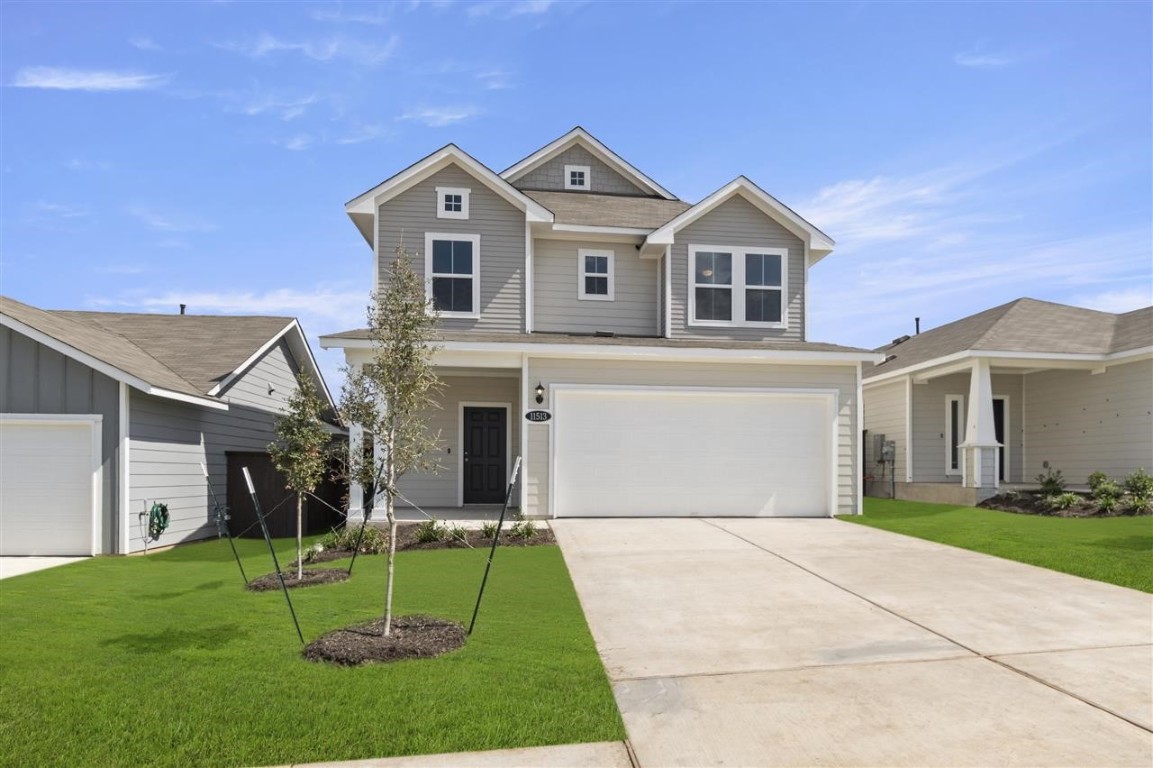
<point x="689" y="453"/>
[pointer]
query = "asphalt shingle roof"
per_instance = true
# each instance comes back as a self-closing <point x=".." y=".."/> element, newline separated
<point x="591" y="209"/>
<point x="1025" y="325"/>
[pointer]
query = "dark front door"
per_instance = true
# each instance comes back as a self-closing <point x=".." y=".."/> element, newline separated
<point x="999" y="433"/>
<point x="485" y="452"/>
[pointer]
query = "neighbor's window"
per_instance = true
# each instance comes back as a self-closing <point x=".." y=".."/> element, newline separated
<point x="452" y="266"/>
<point x="577" y="177"/>
<point x="733" y="286"/>
<point x="452" y="202"/>
<point x="954" y="432"/>
<point x="596" y="275"/>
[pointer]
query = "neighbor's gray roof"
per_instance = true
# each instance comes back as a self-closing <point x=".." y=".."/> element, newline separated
<point x="1025" y="325"/>
<point x="189" y="354"/>
<point x="618" y="341"/>
<point x="591" y="209"/>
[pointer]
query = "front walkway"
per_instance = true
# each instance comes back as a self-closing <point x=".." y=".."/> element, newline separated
<point x="817" y="642"/>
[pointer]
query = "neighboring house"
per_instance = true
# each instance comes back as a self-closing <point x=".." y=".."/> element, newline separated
<point x="102" y="414"/>
<point x="667" y="340"/>
<point x="999" y="396"/>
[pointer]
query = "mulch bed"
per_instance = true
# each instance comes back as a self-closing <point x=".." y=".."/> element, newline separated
<point x="1033" y="503"/>
<point x="311" y="577"/>
<point x="406" y="540"/>
<point x="412" y="637"/>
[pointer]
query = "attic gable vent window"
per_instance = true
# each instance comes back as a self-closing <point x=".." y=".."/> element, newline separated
<point x="577" y="177"/>
<point x="452" y="202"/>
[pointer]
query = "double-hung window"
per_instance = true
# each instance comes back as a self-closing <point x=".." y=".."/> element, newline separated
<point x="737" y="286"/>
<point x="452" y="202"/>
<point x="596" y="275"/>
<point x="452" y="269"/>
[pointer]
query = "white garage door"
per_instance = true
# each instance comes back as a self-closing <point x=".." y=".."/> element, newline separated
<point x="659" y="452"/>
<point x="47" y="476"/>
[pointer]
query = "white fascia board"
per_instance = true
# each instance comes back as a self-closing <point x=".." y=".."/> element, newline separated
<point x="612" y="352"/>
<point x="818" y="243"/>
<point x="107" y="369"/>
<point x="579" y="135"/>
<point x="366" y="203"/>
<point x="309" y="361"/>
<point x="240" y="369"/>
<point x="1025" y="360"/>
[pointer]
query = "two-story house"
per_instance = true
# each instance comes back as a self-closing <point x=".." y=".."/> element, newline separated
<point x="666" y="340"/>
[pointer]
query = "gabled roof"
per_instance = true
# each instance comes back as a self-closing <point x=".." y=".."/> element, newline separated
<point x="361" y="208"/>
<point x="590" y="209"/>
<point x="193" y="358"/>
<point x="585" y="139"/>
<point x="1026" y="326"/>
<point x="818" y="243"/>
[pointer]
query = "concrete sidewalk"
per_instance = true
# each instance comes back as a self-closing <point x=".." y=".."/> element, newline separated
<point x="806" y="642"/>
<point x="605" y="754"/>
<point x="18" y="566"/>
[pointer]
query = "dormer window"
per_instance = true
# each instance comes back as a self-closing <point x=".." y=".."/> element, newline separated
<point x="577" y="177"/>
<point x="452" y="202"/>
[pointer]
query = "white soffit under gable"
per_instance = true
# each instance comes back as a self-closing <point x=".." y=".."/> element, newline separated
<point x="582" y="137"/>
<point x="819" y="245"/>
<point x="362" y="208"/>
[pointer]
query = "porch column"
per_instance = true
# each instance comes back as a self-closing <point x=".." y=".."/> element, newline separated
<point x="355" y="490"/>
<point x="981" y="449"/>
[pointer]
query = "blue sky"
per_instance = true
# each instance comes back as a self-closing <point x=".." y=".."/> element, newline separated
<point x="961" y="154"/>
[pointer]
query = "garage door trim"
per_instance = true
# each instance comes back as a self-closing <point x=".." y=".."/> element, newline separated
<point x="829" y="395"/>
<point x="94" y="422"/>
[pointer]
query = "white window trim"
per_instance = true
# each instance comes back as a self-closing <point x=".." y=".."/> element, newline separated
<point x="581" y="275"/>
<point x="442" y="192"/>
<point x="587" y="170"/>
<point x="429" y="239"/>
<point x="738" y="286"/>
<point x="951" y="438"/>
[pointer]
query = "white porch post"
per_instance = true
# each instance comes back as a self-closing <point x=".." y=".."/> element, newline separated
<point x="355" y="490"/>
<point x="980" y="448"/>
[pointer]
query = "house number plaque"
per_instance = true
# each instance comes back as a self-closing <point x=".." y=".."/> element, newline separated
<point x="537" y="416"/>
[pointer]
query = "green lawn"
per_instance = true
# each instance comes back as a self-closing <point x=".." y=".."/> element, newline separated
<point x="167" y="660"/>
<point x="1118" y="550"/>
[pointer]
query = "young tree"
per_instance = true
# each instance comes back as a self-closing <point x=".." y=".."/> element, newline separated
<point x="393" y="395"/>
<point x="301" y="451"/>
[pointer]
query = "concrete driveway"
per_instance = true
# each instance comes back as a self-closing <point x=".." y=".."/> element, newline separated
<point x="819" y="642"/>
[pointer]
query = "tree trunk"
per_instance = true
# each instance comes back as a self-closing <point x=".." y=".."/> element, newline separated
<point x="299" y="536"/>
<point x="389" y="484"/>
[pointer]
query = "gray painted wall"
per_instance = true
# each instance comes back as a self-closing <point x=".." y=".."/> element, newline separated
<point x="737" y="223"/>
<point x="278" y="370"/>
<point x="37" y="379"/>
<point x="1082" y="423"/>
<point x="885" y="414"/>
<point x="500" y="225"/>
<point x="605" y="181"/>
<point x="556" y="276"/>
<point x="559" y="371"/>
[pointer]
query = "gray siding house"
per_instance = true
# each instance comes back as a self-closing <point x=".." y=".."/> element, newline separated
<point x="998" y="397"/>
<point x="664" y="341"/>
<point x="104" y="414"/>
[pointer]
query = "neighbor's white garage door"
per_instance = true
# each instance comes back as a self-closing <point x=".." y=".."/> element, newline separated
<point x="634" y="452"/>
<point x="47" y="472"/>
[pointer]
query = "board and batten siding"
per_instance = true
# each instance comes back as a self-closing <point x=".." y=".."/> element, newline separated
<point x="549" y="176"/>
<point x="737" y="223"/>
<point x="929" y="425"/>
<point x="1082" y="423"/>
<point x="440" y="488"/>
<point x="556" y="277"/>
<point x="501" y="226"/>
<point x="885" y="413"/>
<point x="841" y="378"/>
<point x="35" y="379"/>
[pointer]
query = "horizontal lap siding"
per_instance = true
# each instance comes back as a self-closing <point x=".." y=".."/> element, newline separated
<point x="615" y="372"/>
<point x="556" y="274"/>
<point x="1082" y="423"/>
<point x="737" y="223"/>
<point x="885" y="414"/>
<point x="37" y="379"/>
<point x="407" y="217"/>
<point x="439" y="488"/>
<point x="276" y="370"/>
<point x="550" y="175"/>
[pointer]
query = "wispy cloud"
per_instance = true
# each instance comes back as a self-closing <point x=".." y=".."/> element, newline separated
<point x="494" y="80"/>
<point x="58" y="78"/>
<point x="284" y="108"/>
<point x="145" y="44"/>
<point x="978" y="59"/>
<point x="362" y="133"/>
<point x="78" y="164"/>
<point x="379" y="17"/>
<point x="439" y="117"/>
<point x="300" y="141"/>
<point x="508" y="9"/>
<point x="170" y="221"/>
<point x="120" y="269"/>
<point x="330" y="49"/>
<point x="42" y="210"/>
<point x="1120" y="300"/>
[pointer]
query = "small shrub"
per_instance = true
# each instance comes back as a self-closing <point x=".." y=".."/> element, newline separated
<point x="430" y="530"/>
<point x="1108" y="504"/>
<point x="1052" y="482"/>
<point x="1140" y="484"/>
<point x="1106" y="489"/>
<point x="1062" y="500"/>
<point x="312" y="553"/>
<point x="1096" y="480"/>
<point x="373" y="542"/>
<point x="523" y="529"/>
<point x="488" y="530"/>
<point x="457" y="532"/>
<point x="1140" y="506"/>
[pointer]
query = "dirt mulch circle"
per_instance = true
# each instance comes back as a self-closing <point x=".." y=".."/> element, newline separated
<point x="412" y="637"/>
<point x="311" y="577"/>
